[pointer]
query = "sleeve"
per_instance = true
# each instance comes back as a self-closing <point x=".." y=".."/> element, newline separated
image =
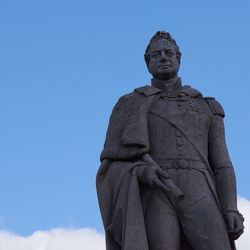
<point x="220" y="161"/>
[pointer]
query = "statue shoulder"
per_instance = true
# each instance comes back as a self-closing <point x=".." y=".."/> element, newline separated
<point x="128" y="98"/>
<point x="215" y="106"/>
<point x="127" y="101"/>
<point x="192" y="92"/>
<point x="138" y="93"/>
<point x="123" y="102"/>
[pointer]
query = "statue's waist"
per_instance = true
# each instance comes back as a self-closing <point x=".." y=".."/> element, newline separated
<point x="166" y="163"/>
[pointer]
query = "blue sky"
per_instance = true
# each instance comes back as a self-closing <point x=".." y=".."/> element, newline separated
<point x="63" y="66"/>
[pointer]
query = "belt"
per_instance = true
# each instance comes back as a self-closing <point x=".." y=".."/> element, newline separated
<point x="180" y="163"/>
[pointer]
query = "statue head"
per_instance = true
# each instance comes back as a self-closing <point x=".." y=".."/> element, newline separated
<point x="162" y="56"/>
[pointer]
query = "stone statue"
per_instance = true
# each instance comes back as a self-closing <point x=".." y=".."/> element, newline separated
<point x="166" y="181"/>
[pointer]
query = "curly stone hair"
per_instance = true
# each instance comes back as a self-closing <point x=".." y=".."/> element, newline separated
<point x="161" y="35"/>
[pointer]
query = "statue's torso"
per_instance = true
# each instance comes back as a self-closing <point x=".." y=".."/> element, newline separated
<point x="167" y="142"/>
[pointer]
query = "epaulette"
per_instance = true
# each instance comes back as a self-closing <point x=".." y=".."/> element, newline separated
<point x="190" y="91"/>
<point x="215" y="106"/>
<point x="147" y="90"/>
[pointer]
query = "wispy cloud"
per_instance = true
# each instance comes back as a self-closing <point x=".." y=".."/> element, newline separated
<point x="89" y="239"/>
<point x="244" y="241"/>
<point x="55" y="239"/>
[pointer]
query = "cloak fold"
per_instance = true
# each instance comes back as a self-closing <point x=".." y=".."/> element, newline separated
<point x="118" y="188"/>
<point x="121" y="207"/>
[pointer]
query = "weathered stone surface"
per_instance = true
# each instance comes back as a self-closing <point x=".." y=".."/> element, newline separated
<point x="166" y="180"/>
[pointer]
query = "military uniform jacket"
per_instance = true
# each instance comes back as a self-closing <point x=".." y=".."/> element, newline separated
<point x="128" y="139"/>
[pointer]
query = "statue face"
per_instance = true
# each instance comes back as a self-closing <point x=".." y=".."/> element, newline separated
<point x="163" y="63"/>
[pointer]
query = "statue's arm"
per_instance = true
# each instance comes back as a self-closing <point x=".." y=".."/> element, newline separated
<point x="221" y="164"/>
<point x="224" y="176"/>
<point x="151" y="174"/>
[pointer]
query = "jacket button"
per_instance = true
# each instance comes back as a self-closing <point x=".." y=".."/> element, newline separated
<point x="178" y="134"/>
<point x="183" y="163"/>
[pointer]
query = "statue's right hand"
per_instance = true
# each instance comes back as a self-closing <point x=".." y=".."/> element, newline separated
<point x="152" y="176"/>
<point x="234" y="221"/>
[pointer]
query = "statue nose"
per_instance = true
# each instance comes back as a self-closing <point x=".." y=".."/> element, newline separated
<point x="163" y="57"/>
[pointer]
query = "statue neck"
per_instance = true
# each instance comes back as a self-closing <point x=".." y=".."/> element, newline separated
<point x="171" y="85"/>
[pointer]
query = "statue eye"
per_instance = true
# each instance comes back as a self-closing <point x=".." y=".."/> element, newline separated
<point x="155" y="54"/>
<point x="169" y="53"/>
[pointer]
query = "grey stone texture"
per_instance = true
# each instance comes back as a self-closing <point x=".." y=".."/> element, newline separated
<point x="166" y="181"/>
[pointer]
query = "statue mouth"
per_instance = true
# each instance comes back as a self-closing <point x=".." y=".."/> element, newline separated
<point x="164" y="66"/>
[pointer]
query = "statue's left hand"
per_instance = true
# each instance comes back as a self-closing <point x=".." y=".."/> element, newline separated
<point x="234" y="221"/>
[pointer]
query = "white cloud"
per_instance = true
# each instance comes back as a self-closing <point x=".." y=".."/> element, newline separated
<point x="55" y="239"/>
<point x="243" y="242"/>
<point x="89" y="239"/>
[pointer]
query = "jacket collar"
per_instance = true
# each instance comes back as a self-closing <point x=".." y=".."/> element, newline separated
<point x="148" y="90"/>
